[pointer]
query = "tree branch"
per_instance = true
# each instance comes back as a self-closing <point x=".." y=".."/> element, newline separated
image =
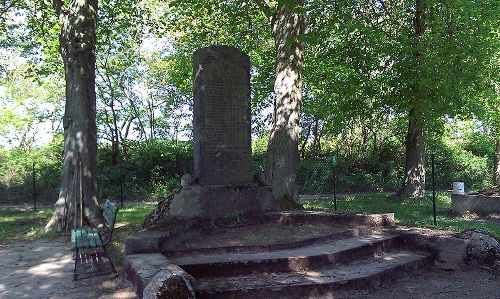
<point x="265" y="7"/>
<point x="58" y="6"/>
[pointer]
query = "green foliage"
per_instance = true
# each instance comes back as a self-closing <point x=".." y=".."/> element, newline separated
<point x="16" y="173"/>
<point x="364" y="67"/>
<point x="259" y="153"/>
<point x="237" y="216"/>
<point x="147" y="169"/>
<point x="454" y="163"/>
<point x="353" y="174"/>
<point x="28" y="102"/>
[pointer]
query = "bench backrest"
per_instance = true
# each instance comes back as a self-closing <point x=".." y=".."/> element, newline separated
<point x="110" y="211"/>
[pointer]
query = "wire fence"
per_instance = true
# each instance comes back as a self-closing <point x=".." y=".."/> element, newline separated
<point x="320" y="177"/>
<point x="317" y="178"/>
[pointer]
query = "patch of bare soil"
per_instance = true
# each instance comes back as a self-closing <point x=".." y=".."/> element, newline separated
<point x="44" y="269"/>
<point x="259" y="235"/>
<point x="474" y="282"/>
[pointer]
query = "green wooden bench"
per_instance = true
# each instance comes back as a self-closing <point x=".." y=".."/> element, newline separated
<point x="87" y="242"/>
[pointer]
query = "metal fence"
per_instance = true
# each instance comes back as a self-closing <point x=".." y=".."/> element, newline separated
<point x="320" y="177"/>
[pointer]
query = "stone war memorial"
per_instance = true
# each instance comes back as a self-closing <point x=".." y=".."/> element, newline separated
<point x="222" y="183"/>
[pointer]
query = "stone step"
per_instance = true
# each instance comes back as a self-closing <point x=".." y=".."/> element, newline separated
<point x="319" y="283"/>
<point x="337" y="234"/>
<point x="299" y="259"/>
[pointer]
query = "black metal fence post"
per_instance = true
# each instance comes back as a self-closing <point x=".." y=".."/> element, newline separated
<point x="34" y="187"/>
<point x="121" y="188"/>
<point x="433" y="189"/>
<point x="334" y="162"/>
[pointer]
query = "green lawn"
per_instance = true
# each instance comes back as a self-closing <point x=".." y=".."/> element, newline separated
<point x="407" y="212"/>
<point x="24" y="224"/>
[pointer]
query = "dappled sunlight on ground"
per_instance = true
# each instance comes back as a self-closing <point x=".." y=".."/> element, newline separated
<point x="44" y="269"/>
<point x="50" y="267"/>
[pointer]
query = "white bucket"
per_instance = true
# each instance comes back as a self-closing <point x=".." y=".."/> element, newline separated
<point x="458" y="188"/>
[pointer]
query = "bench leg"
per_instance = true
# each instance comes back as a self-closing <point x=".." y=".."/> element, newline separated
<point x="109" y="258"/>
<point x="77" y="257"/>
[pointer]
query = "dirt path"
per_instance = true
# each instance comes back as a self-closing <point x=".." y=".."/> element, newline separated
<point x="44" y="269"/>
<point x="433" y="283"/>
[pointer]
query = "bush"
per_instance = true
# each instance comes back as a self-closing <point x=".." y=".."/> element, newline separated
<point x="16" y="173"/>
<point x="147" y="170"/>
<point x="152" y="169"/>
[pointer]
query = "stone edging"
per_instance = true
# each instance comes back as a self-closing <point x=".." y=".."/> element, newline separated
<point x="452" y="250"/>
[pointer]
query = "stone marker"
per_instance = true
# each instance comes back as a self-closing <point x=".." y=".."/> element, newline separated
<point x="222" y="183"/>
<point x="222" y="140"/>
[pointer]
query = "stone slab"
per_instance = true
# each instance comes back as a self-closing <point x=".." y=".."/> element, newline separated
<point x="211" y="202"/>
<point x="349" y="219"/>
<point x="479" y="204"/>
<point x="447" y="249"/>
<point x="170" y="282"/>
<point x="169" y="235"/>
<point x="263" y="237"/>
<point x="298" y="259"/>
<point x="318" y="249"/>
<point x="366" y="273"/>
<point x="141" y="269"/>
<point x="222" y="137"/>
<point x="155" y="239"/>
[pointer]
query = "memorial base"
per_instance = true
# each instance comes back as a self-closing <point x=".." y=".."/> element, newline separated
<point x="209" y="202"/>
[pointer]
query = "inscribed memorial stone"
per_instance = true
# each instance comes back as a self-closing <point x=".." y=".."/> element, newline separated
<point x="222" y="140"/>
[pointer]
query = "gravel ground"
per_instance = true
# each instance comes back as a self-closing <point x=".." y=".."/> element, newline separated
<point x="44" y="269"/>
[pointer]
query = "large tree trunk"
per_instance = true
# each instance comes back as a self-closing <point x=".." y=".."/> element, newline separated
<point x="288" y="23"/>
<point x="414" y="180"/>
<point x="77" y="46"/>
<point x="496" y="163"/>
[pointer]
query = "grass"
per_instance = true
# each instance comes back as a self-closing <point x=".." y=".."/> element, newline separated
<point x="26" y="224"/>
<point x="128" y="220"/>
<point x="23" y="223"/>
<point x="407" y="212"/>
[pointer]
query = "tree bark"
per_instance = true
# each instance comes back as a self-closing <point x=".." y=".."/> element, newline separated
<point x="414" y="180"/>
<point x="77" y="46"/>
<point x="304" y="143"/>
<point x="317" y="139"/>
<point x="287" y="25"/>
<point x="496" y="162"/>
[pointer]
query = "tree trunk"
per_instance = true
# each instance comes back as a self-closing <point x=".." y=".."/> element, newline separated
<point x="116" y="141"/>
<point x="287" y="25"/>
<point x="316" y="139"/>
<point x="304" y="143"/>
<point x="496" y="162"/>
<point x="77" y="46"/>
<point x="414" y="180"/>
